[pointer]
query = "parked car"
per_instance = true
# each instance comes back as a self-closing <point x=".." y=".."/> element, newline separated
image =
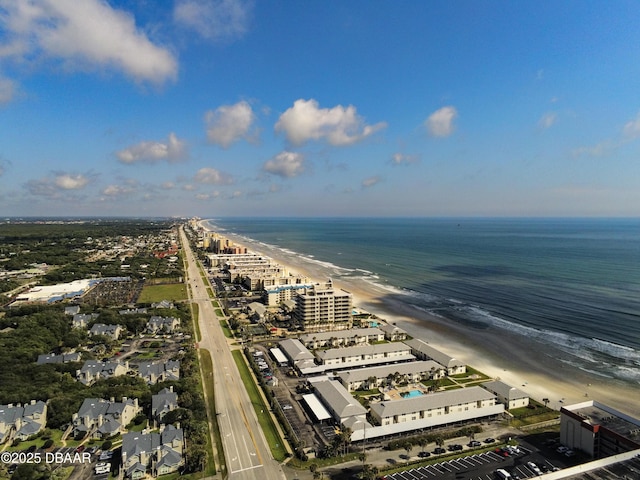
<point x="474" y="443"/>
<point x="489" y="440"/>
<point x="424" y="454"/>
<point x="439" y="450"/>
<point x="534" y="468"/>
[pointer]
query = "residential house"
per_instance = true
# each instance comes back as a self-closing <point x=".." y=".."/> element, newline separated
<point x="160" y="371"/>
<point x="62" y="358"/>
<point x="72" y="310"/>
<point x="112" y="331"/>
<point x="100" y="418"/>
<point x="133" y="311"/>
<point x="163" y="304"/>
<point x="22" y="421"/>
<point x="82" y="320"/>
<point x="94" y="370"/>
<point x="163" y="402"/>
<point x="153" y="453"/>
<point x="157" y="324"/>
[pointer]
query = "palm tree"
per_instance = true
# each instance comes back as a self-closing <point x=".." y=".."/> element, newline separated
<point x="422" y="442"/>
<point x="408" y="446"/>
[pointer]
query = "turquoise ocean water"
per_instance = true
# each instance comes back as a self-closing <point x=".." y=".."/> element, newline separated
<point x="571" y="284"/>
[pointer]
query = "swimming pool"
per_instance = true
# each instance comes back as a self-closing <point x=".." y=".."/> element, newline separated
<point x="412" y="393"/>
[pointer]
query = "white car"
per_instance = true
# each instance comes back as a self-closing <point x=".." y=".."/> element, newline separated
<point x="534" y="468"/>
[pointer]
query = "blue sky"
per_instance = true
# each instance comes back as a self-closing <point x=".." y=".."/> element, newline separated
<point x="328" y="108"/>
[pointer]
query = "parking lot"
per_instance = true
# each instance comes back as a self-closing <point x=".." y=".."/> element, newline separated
<point x="521" y="463"/>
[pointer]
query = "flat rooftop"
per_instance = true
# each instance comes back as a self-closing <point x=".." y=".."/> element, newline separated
<point x="597" y="414"/>
<point x="627" y="469"/>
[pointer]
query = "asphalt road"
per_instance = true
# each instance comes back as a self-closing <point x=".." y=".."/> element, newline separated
<point x="246" y="450"/>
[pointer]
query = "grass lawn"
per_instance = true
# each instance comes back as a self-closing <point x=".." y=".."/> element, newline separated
<point x="156" y="293"/>
<point x="196" y="325"/>
<point x="225" y="329"/>
<point x="206" y="365"/>
<point x="266" y="422"/>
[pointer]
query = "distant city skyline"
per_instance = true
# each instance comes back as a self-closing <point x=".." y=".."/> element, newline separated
<point x="244" y="108"/>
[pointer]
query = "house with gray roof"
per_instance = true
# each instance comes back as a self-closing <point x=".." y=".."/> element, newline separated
<point x="100" y="418"/>
<point x="133" y="311"/>
<point x="158" y="324"/>
<point x="153" y="373"/>
<point x="510" y="397"/>
<point x="62" y="358"/>
<point x="163" y="402"/>
<point x="72" y="310"/>
<point x="94" y="370"/>
<point x="22" y="421"/>
<point x="82" y="320"/>
<point x="424" y="351"/>
<point x="392" y="332"/>
<point x="153" y="453"/>
<point x="163" y="304"/>
<point x="112" y="331"/>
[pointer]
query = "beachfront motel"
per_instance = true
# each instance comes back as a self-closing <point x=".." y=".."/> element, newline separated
<point x="375" y="377"/>
<point x="404" y="415"/>
<point x="598" y="430"/>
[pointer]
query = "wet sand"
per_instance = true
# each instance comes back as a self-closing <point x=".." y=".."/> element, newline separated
<point x="502" y="355"/>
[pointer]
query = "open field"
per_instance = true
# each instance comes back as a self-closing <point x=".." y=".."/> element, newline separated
<point x="156" y="293"/>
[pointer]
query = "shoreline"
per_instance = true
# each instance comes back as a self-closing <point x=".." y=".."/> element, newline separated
<point x="512" y="358"/>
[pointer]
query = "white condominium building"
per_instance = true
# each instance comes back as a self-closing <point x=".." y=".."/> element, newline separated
<point x="323" y="307"/>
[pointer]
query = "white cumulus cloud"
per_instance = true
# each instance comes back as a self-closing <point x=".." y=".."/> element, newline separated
<point x="7" y="90"/>
<point x="285" y="164"/>
<point x="403" y="159"/>
<point x="55" y="185"/>
<point x="440" y="122"/>
<point x="229" y="123"/>
<point x="371" y="181"/>
<point x="174" y="150"/>
<point x="338" y="125"/>
<point x="82" y="35"/>
<point x="214" y="19"/>
<point x="632" y="128"/>
<point x="212" y="176"/>
<point x="548" y="120"/>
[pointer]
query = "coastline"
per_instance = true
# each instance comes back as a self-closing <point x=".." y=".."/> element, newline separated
<point x="500" y="354"/>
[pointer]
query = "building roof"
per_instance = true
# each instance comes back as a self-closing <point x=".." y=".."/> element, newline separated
<point x="431" y="401"/>
<point x="323" y="336"/>
<point x="408" y="368"/>
<point x="433" y="353"/>
<point x="505" y="391"/>
<point x="295" y="350"/>
<point x="595" y="413"/>
<point x="339" y="399"/>
<point x="316" y="407"/>
<point x="362" y="350"/>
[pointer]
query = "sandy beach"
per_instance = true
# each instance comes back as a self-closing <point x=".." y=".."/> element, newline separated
<point x="499" y="354"/>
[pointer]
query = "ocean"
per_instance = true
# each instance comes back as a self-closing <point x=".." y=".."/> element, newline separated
<point x="572" y="285"/>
